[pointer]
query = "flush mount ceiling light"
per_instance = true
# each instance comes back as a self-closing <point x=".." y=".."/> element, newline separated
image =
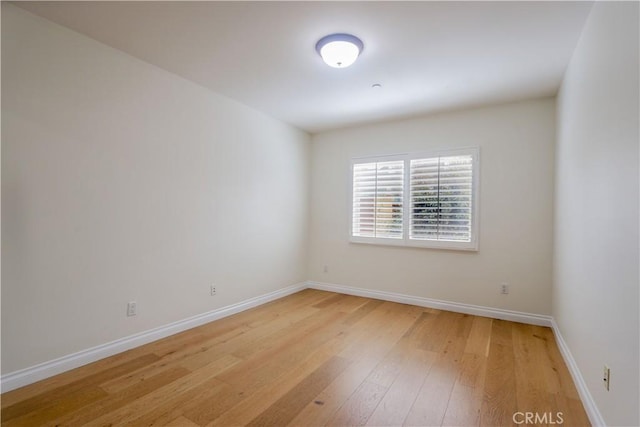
<point x="339" y="50"/>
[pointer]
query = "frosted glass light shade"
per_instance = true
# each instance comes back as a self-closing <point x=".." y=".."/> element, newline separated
<point x="339" y="50"/>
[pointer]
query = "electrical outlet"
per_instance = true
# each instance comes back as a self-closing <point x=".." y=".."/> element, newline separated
<point x="504" y="288"/>
<point x="132" y="308"/>
<point x="213" y="290"/>
<point x="325" y="268"/>
<point x="606" y="377"/>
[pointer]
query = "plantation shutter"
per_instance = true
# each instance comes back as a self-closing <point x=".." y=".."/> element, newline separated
<point x="378" y="199"/>
<point x="441" y="197"/>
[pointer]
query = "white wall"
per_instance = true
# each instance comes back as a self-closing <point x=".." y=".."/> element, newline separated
<point x="516" y="209"/>
<point x="122" y="182"/>
<point x="595" y="294"/>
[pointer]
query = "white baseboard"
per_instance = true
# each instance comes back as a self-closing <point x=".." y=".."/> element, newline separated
<point x="477" y="310"/>
<point x="48" y="369"/>
<point x="595" y="417"/>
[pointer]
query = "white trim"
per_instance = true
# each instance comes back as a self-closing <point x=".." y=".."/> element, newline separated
<point x="48" y="369"/>
<point x="595" y="417"/>
<point x="477" y="310"/>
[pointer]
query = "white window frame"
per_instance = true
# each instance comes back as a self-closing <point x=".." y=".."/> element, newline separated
<point x="472" y="245"/>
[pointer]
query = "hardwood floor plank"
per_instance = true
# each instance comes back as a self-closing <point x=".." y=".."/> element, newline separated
<point x="415" y="331"/>
<point x="336" y="298"/>
<point x="267" y="365"/>
<point x="556" y="373"/>
<point x="237" y="334"/>
<point x="479" y="336"/>
<point x="343" y="303"/>
<point x="531" y="387"/>
<point x="437" y="330"/>
<point x="319" y="411"/>
<point x="204" y="358"/>
<point x="466" y="398"/>
<point x="56" y="384"/>
<point x="380" y="328"/>
<point x="52" y="397"/>
<point x="571" y="410"/>
<point x="432" y="401"/>
<point x="190" y="354"/>
<point x="266" y="338"/>
<point x="263" y="314"/>
<point x="117" y="400"/>
<point x="159" y="397"/>
<point x="64" y="404"/>
<point x="360" y="405"/>
<point x="463" y="326"/>
<point x="399" y="398"/>
<point x="196" y="405"/>
<point x="168" y="345"/>
<point x="258" y="399"/>
<point x="119" y="383"/>
<point x="386" y="372"/>
<point x="499" y="400"/>
<point x="501" y="332"/>
<point x="371" y="339"/>
<point x="181" y="422"/>
<point x="474" y="368"/>
<point x="362" y="311"/>
<point x="464" y="406"/>
<point x="287" y="407"/>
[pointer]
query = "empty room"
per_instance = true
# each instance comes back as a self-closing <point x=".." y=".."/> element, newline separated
<point x="320" y="213"/>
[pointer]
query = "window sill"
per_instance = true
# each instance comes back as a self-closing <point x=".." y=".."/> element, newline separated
<point x="421" y="244"/>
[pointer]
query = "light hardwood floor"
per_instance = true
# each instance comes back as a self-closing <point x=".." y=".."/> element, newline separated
<point x="317" y="358"/>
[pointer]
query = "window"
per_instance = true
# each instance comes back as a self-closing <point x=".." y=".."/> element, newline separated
<point x="378" y="199"/>
<point x="427" y="200"/>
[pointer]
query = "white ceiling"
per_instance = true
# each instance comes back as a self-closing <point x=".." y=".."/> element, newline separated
<point x="428" y="56"/>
